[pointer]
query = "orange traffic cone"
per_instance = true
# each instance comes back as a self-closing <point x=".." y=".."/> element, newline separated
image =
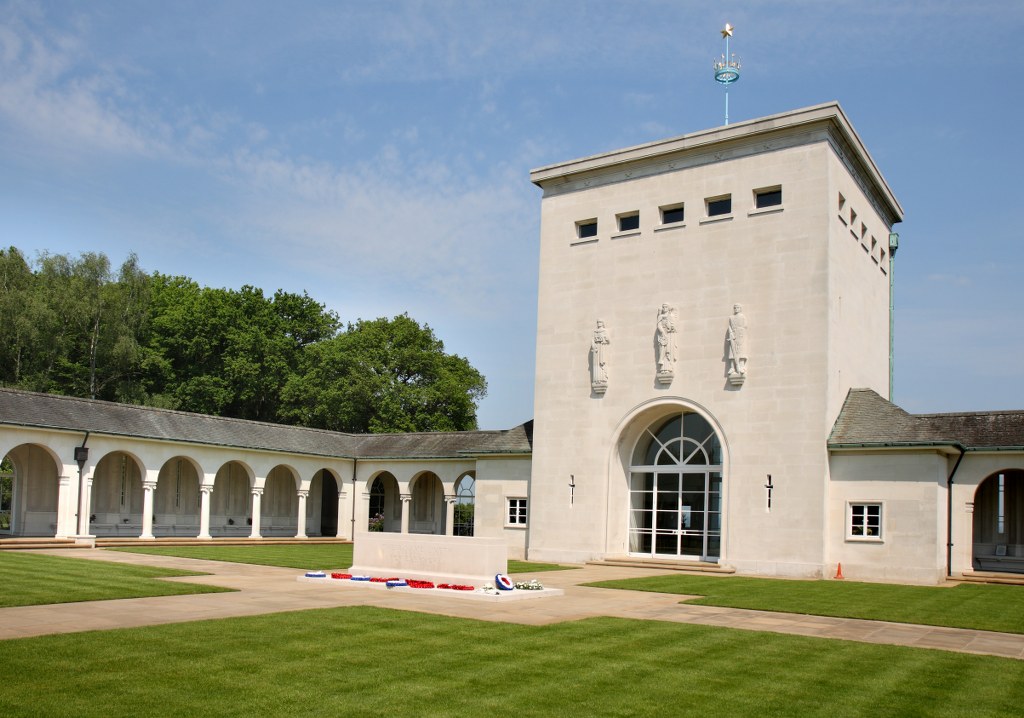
<point x="839" y="571"/>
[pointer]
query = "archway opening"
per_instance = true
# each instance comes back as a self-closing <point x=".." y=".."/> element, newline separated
<point x="231" y="501"/>
<point x="29" y="492"/>
<point x="427" y="510"/>
<point x="117" y="496"/>
<point x="176" y="501"/>
<point x="328" y="503"/>
<point x="999" y="522"/>
<point x="675" y="490"/>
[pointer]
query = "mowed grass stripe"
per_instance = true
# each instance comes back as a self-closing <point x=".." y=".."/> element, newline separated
<point x="305" y="557"/>
<point x="36" y="579"/>
<point x="370" y="661"/>
<point x="967" y="605"/>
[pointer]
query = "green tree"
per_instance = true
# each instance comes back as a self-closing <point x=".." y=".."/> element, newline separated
<point x="20" y="311"/>
<point x="384" y="375"/>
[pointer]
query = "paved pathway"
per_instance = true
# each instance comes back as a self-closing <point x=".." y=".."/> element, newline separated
<point x="264" y="589"/>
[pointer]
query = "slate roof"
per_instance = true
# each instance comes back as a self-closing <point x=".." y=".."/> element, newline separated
<point x="50" y="411"/>
<point x="867" y="419"/>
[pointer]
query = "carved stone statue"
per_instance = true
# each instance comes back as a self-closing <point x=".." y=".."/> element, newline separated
<point x="665" y="344"/>
<point x="737" y="339"/>
<point x="599" y="359"/>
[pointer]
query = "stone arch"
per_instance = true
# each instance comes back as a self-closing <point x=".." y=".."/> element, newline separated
<point x="231" y="500"/>
<point x="322" y="506"/>
<point x="279" y="507"/>
<point x="427" y="509"/>
<point x="29" y="491"/>
<point x="117" y="496"/>
<point x="465" y="504"/>
<point x="176" y="500"/>
<point x="385" y="503"/>
<point x="998" y="522"/>
<point x="675" y="506"/>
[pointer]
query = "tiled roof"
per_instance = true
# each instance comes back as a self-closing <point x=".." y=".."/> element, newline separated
<point x="867" y="419"/>
<point x="49" y="411"/>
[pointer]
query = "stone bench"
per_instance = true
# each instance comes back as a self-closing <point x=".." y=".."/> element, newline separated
<point x="1000" y="564"/>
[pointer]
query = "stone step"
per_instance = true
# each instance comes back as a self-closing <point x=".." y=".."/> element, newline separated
<point x="685" y="566"/>
<point x="1008" y="579"/>
<point x="21" y="544"/>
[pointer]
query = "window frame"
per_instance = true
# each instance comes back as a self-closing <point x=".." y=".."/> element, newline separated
<point x="768" y="192"/>
<point x="583" y="233"/>
<point x="627" y="217"/>
<point x="716" y="200"/>
<point x="856" y="525"/>
<point x="521" y="518"/>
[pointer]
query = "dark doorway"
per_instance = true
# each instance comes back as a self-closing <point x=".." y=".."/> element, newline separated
<point x="328" y="504"/>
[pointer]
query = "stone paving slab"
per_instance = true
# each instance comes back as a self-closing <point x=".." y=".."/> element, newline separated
<point x="269" y="589"/>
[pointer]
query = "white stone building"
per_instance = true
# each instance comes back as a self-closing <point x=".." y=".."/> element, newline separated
<point x="713" y="349"/>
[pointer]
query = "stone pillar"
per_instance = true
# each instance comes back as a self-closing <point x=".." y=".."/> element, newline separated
<point x="148" y="489"/>
<point x="84" y="507"/>
<point x="963" y="549"/>
<point x="301" y="531"/>
<point x="449" y="514"/>
<point x="257" y="495"/>
<point x="84" y="489"/>
<point x="363" y="514"/>
<point x="344" y="519"/>
<point x="406" y="502"/>
<point x="204" y="510"/>
<point x="65" y="522"/>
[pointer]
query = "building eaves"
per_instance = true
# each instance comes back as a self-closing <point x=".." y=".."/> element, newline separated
<point x="869" y="421"/>
<point x="50" y="411"/>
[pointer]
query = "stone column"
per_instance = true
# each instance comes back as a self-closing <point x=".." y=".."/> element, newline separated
<point x="204" y="510"/>
<point x="449" y="515"/>
<point x="963" y="550"/>
<point x="301" y="532"/>
<point x="363" y="514"/>
<point x="344" y="520"/>
<point x="406" y="501"/>
<point x="257" y="495"/>
<point x="84" y="507"/>
<point x="65" y="524"/>
<point x="148" y="489"/>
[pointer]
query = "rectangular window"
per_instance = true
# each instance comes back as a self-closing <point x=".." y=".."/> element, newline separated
<point x="768" y="197"/>
<point x="672" y="214"/>
<point x="719" y="206"/>
<point x="516" y="512"/>
<point x="865" y="521"/>
<point x="586" y="228"/>
<point x="629" y="222"/>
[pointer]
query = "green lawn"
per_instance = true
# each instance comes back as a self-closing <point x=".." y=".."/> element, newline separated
<point x="300" y="556"/>
<point x="369" y="661"/>
<point x="33" y="579"/>
<point x="990" y="608"/>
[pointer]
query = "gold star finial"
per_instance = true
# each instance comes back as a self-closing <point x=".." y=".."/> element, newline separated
<point x="727" y="31"/>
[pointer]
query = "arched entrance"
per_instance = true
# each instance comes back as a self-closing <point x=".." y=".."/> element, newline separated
<point x="29" y="488"/>
<point x="427" y="505"/>
<point x="328" y="493"/>
<point x="176" y="501"/>
<point x="999" y="522"/>
<point x="117" y="496"/>
<point x="675" y="490"/>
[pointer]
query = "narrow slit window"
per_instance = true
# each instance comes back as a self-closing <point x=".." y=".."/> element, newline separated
<point x="719" y="206"/>
<point x="629" y="222"/>
<point x="672" y="214"/>
<point x="769" y="197"/>
<point x="586" y="228"/>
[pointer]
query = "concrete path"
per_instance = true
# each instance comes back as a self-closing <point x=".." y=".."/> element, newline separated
<point x="263" y="589"/>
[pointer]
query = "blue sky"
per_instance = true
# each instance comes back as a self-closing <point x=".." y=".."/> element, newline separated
<point x="376" y="154"/>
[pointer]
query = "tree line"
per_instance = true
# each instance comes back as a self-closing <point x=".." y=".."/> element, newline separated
<point x="77" y="327"/>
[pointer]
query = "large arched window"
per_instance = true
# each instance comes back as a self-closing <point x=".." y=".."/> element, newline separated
<point x="675" y="488"/>
<point x="465" y="505"/>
